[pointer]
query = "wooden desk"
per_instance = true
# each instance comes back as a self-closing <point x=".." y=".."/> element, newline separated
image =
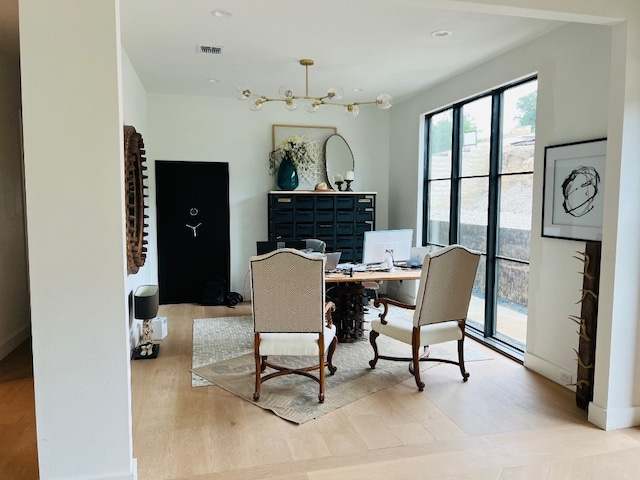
<point x="347" y="292"/>
<point x="375" y="275"/>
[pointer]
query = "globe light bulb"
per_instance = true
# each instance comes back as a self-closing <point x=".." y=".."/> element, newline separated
<point x="290" y="105"/>
<point x="313" y="107"/>
<point x="384" y="101"/>
<point x="352" y="111"/>
<point x="285" y="92"/>
<point x="256" y="104"/>
<point x="242" y="93"/>
<point x="335" y="93"/>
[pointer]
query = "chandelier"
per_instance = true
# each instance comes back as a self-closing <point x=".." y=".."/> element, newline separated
<point x="332" y="97"/>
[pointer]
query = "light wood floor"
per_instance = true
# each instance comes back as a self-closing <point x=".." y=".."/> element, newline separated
<point x="506" y="423"/>
<point x="18" y="452"/>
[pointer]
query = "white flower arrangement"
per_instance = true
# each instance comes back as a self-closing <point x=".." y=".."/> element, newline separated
<point x="297" y="148"/>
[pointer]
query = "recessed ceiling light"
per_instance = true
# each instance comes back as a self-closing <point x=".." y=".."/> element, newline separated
<point x="221" y="13"/>
<point x="358" y="90"/>
<point x="213" y="80"/>
<point x="441" y="34"/>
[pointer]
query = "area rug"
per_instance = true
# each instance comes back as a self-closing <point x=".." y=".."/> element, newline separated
<point x="217" y="339"/>
<point x="295" y="398"/>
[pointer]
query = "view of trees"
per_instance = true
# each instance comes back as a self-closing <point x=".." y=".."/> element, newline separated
<point x="526" y="105"/>
<point x="441" y="131"/>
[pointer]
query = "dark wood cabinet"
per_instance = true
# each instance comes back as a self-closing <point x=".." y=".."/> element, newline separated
<point x="338" y="218"/>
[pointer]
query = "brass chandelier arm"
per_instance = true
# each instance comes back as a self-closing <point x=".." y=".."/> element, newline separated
<point x="319" y="99"/>
<point x="256" y="101"/>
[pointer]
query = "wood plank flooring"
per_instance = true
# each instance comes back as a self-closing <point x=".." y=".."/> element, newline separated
<point x="505" y="423"/>
<point x="18" y="452"/>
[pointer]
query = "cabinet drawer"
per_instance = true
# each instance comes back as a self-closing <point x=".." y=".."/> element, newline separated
<point x="364" y="215"/>
<point x="344" y="243"/>
<point x="304" y="216"/>
<point x="324" y="230"/>
<point x="324" y="202"/>
<point x="283" y="230"/>
<point x="344" y="203"/>
<point x="347" y="255"/>
<point x="284" y="202"/>
<point x="363" y="227"/>
<point x="304" y="202"/>
<point x="283" y="216"/>
<point x="344" y="229"/>
<point x="304" y="230"/>
<point x="364" y="202"/>
<point x="324" y="216"/>
<point x="344" y="216"/>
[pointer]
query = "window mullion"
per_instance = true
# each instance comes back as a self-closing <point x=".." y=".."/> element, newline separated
<point x="492" y="220"/>
<point x="426" y="181"/>
<point x="456" y="154"/>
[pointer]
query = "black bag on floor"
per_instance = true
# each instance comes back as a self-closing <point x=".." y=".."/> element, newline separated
<point x="215" y="292"/>
<point x="233" y="298"/>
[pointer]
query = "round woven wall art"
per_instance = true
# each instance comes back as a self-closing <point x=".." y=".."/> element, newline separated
<point x="134" y="177"/>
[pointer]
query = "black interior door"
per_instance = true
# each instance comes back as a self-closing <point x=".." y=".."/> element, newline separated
<point x="192" y="201"/>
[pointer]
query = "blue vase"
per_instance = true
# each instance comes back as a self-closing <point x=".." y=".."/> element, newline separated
<point x="287" y="176"/>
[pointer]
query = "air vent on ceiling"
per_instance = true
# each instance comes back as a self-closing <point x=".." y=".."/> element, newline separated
<point x="208" y="49"/>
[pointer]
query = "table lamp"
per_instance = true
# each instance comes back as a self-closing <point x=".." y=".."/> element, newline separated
<point x="145" y="305"/>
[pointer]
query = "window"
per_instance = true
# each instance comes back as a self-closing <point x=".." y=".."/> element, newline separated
<point x="478" y="193"/>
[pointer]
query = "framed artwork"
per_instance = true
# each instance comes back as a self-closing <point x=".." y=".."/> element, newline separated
<point x="573" y="191"/>
<point x="316" y="136"/>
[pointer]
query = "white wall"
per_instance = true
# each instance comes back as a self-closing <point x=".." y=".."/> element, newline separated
<point x="14" y="289"/>
<point x="573" y="84"/>
<point x="134" y="113"/>
<point x="225" y="130"/>
<point x="75" y="203"/>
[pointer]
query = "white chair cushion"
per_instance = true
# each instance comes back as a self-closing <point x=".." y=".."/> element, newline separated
<point x="429" y="334"/>
<point x="304" y="344"/>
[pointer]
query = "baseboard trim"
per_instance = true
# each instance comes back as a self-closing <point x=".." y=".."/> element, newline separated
<point x="614" y="419"/>
<point x="133" y="475"/>
<point x="10" y="344"/>
<point x="549" y="370"/>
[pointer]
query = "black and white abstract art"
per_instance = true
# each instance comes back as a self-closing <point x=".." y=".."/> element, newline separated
<point x="574" y="176"/>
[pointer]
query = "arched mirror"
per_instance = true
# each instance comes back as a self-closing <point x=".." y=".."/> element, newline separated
<point x="338" y="159"/>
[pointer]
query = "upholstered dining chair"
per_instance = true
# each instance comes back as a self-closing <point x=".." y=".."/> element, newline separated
<point x="316" y="245"/>
<point x="291" y="317"/>
<point x="440" y="312"/>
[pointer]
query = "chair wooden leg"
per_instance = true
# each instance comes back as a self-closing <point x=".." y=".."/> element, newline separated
<point x="259" y="367"/>
<point x="332" y="349"/>
<point x="256" y="393"/>
<point x="372" y="340"/>
<point x="415" y="357"/>
<point x="321" y="363"/>
<point x="463" y="371"/>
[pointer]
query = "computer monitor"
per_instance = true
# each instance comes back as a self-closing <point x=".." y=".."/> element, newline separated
<point x="378" y="242"/>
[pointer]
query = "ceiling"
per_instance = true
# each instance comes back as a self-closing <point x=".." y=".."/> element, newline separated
<point x="385" y="47"/>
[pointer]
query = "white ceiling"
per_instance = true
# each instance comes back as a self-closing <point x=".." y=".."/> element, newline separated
<point x="378" y="45"/>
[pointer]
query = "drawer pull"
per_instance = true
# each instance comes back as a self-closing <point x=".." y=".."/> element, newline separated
<point x="284" y="200"/>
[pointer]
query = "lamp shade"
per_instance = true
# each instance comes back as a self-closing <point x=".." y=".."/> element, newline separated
<point x="146" y="301"/>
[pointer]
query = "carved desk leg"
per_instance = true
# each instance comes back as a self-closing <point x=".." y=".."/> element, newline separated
<point x="349" y="314"/>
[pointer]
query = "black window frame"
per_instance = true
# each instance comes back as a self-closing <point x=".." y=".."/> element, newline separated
<point x="489" y="336"/>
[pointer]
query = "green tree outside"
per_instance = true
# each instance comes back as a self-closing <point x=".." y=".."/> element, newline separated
<point x="527" y="107"/>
